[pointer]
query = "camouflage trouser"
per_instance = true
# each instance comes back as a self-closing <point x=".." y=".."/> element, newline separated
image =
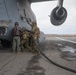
<point x="37" y="40"/>
<point x="16" y="43"/>
<point x="24" y="44"/>
<point x="32" y="44"/>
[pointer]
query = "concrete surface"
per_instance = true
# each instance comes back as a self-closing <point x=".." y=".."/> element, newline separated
<point x="35" y="64"/>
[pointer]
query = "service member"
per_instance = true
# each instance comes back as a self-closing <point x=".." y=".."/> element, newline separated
<point x="34" y="37"/>
<point x="16" y="31"/>
<point x="24" y="39"/>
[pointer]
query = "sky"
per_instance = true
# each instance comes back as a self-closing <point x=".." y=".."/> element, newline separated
<point x="43" y="9"/>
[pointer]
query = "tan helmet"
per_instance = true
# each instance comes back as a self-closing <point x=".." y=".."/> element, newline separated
<point x="23" y="28"/>
<point x="33" y="23"/>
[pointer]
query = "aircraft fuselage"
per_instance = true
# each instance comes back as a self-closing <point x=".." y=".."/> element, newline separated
<point x="12" y="11"/>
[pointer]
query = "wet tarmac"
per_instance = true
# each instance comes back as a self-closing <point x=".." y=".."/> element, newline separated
<point x="27" y="63"/>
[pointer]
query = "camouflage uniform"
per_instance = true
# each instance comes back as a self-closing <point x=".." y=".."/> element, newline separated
<point x="32" y="43"/>
<point x="34" y="37"/>
<point x="37" y="34"/>
<point x="24" y="39"/>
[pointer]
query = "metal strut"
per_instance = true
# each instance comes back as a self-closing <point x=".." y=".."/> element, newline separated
<point x="60" y="3"/>
<point x="54" y="63"/>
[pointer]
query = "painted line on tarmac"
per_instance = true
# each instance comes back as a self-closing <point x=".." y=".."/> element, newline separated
<point x="65" y="40"/>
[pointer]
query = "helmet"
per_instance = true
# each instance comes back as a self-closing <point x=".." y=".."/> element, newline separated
<point x="23" y="28"/>
<point x="16" y="23"/>
<point x="33" y="23"/>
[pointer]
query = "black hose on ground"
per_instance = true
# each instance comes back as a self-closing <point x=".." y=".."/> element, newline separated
<point x="63" y="67"/>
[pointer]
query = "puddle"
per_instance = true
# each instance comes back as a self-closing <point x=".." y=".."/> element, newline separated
<point x="33" y="67"/>
<point x="68" y="49"/>
<point x="68" y="53"/>
<point x="58" y="44"/>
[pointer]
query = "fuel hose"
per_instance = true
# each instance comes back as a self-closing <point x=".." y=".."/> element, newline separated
<point x="54" y="63"/>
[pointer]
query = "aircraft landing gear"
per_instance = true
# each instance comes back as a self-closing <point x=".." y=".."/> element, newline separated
<point x="5" y="43"/>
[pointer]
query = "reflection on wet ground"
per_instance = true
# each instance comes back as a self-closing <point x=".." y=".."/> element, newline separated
<point x="33" y="67"/>
<point x="35" y="64"/>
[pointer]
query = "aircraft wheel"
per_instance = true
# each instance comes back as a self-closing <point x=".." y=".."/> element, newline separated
<point x="5" y="43"/>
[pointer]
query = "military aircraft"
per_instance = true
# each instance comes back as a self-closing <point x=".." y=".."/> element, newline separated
<point x="20" y="11"/>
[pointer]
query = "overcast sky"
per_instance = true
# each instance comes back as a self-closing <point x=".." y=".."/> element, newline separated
<point x="43" y="9"/>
